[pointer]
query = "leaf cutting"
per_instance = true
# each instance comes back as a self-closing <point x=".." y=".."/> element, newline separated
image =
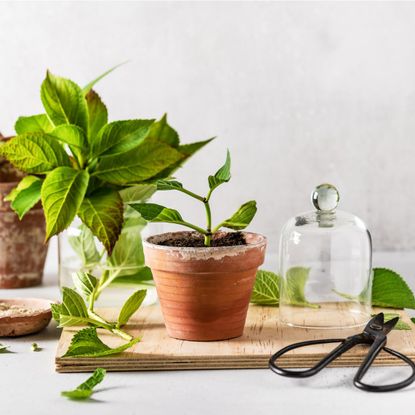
<point x="85" y="389"/>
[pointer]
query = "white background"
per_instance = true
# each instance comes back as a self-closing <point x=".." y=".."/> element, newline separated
<point x="301" y="93"/>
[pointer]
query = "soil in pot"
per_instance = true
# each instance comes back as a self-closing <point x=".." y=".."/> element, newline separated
<point x="196" y="240"/>
<point x="204" y="292"/>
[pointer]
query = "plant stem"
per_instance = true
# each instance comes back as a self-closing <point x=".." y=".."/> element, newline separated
<point x="208" y="235"/>
<point x="188" y="192"/>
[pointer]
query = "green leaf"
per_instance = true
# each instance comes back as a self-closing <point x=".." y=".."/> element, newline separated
<point x="142" y="277"/>
<point x="162" y="131"/>
<point x="84" y="246"/>
<point x="390" y="290"/>
<point x="138" y="164"/>
<point x="86" y="343"/>
<point x="120" y="136"/>
<point x="35" y="347"/>
<point x="242" y="217"/>
<point x="36" y="153"/>
<point x="266" y="289"/>
<point x="62" y="194"/>
<point x="84" y="282"/>
<point x="97" y="114"/>
<point x="4" y="349"/>
<point x="223" y="175"/>
<point x="294" y="287"/>
<point x="91" y="84"/>
<point x="102" y="212"/>
<point x="137" y="193"/>
<point x="25" y="195"/>
<point x="127" y="256"/>
<point x="400" y="325"/>
<point x="168" y="185"/>
<point x="85" y="390"/>
<point x="75" y="138"/>
<point x="33" y="123"/>
<point x="152" y="212"/>
<point x="72" y="309"/>
<point x="64" y="101"/>
<point x="132" y="304"/>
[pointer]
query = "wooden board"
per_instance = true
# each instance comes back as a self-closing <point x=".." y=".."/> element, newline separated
<point x="262" y="337"/>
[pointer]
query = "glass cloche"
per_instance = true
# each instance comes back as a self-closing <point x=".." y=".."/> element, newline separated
<point x="325" y="266"/>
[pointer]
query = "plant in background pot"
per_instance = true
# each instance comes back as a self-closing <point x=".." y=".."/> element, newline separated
<point x="204" y="278"/>
<point x="21" y="263"/>
<point x="81" y="165"/>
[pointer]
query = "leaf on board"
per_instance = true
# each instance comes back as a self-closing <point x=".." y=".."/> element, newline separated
<point x="62" y="194"/>
<point x="72" y="308"/>
<point x="35" y="153"/>
<point x="85" y="389"/>
<point x="85" y="343"/>
<point x="132" y="304"/>
<point x="266" y="289"/>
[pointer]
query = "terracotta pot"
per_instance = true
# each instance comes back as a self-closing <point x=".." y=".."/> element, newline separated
<point x="22" y="247"/>
<point x="204" y="292"/>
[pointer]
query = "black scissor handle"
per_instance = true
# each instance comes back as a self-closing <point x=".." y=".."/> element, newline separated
<point x="384" y="388"/>
<point x="345" y="345"/>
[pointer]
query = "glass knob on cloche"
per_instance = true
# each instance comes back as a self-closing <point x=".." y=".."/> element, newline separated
<point x="326" y="266"/>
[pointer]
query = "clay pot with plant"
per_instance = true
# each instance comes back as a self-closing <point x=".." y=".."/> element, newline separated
<point x="204" y="277"/>
<point x="22" y="247"/>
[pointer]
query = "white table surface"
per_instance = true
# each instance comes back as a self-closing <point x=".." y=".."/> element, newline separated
<point x="30" y="385"/>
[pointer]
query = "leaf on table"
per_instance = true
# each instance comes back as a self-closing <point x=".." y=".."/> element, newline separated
<point x="36" y="153"/>
<point x="85" y="390"/>
<point x="25" y="195"/>
<point x="132" y="304"/>
<point x="84" y="282"/>
<point x="223" y="175"/>
<point x="242" y="217"/>
<point x="62" y="194"/>
<point x="294" y="287"/>
<point x="102" y="212"/>
<point x="4" y="349"/>
<point x="86" y="343"/>
<point x="33" y="123"/>
<point x="266" y="289"/>
<point x="400" y="325"/>
<point x="390" y="290"/>
<point x="83" y="244"/>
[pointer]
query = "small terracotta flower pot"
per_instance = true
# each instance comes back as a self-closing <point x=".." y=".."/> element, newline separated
<point x="204" y="292"/>
<point x="22" y="244"/>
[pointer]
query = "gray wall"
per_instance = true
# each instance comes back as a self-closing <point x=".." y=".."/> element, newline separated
<point x="300" y="93"/>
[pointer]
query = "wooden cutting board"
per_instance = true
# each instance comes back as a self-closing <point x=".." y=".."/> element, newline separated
<point x="262" y="337"/>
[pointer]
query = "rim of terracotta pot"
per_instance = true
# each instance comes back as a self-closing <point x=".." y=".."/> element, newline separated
<point x="250" y="242"/>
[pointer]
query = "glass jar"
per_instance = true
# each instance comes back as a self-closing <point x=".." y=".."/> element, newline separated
<point x="79" y="250"/>
<point x="325" y="266"/>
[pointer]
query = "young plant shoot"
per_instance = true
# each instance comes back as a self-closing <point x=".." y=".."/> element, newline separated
<point x="238" y="221"/>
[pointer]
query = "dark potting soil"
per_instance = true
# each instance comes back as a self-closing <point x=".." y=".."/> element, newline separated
<point x="195" y="240"/>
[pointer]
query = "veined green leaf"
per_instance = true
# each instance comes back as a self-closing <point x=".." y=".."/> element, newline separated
<point x="74" y="136"/>
<point x="84" y="282"/>
<point x="97" y="114"/>
<point x="86" y="343"/>
<point x="84" y="246"/>
<point x="168" y="185"/>
<point x="223" y="175"/>
<point x="162" y="131"/>
<point x="294" y="287"/>
<point x="102" y="212"/>
<point x="400" y="325"/>
<point x="35" y="153"/>
<point x="156" y="213"/>
<point x="266" y="289"/>
<point x="72" y="304"/>
<point x="242" y="217"/>
<point x="91" y="84"/>
<point x="389" y="289"/>
<point x="132" y="304"/>
<point x="62" y="194"/>
<point x="85" y="390"/>
<point x="64" y="101"/>
<point x="120" y="136"/>
<point x="25" y="195"/>
<point x="33" y="123"/>
<point x="137" y="193"/>
<point x="138" y="164"/>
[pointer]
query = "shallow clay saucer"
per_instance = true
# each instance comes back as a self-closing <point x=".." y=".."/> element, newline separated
<point x="27" y="316"/>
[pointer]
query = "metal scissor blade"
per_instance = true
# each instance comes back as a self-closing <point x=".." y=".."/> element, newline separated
<point x="375" y="323"/>
<point x="389" y="325"/>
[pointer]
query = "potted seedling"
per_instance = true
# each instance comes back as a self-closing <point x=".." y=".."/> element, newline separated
<point x="204" y="277"/>
<point x="22" y="247"/>
<point x="80" y="165"/>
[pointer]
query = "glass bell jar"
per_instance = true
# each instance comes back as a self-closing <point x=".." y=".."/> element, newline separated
<point x="325" y="266"/>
